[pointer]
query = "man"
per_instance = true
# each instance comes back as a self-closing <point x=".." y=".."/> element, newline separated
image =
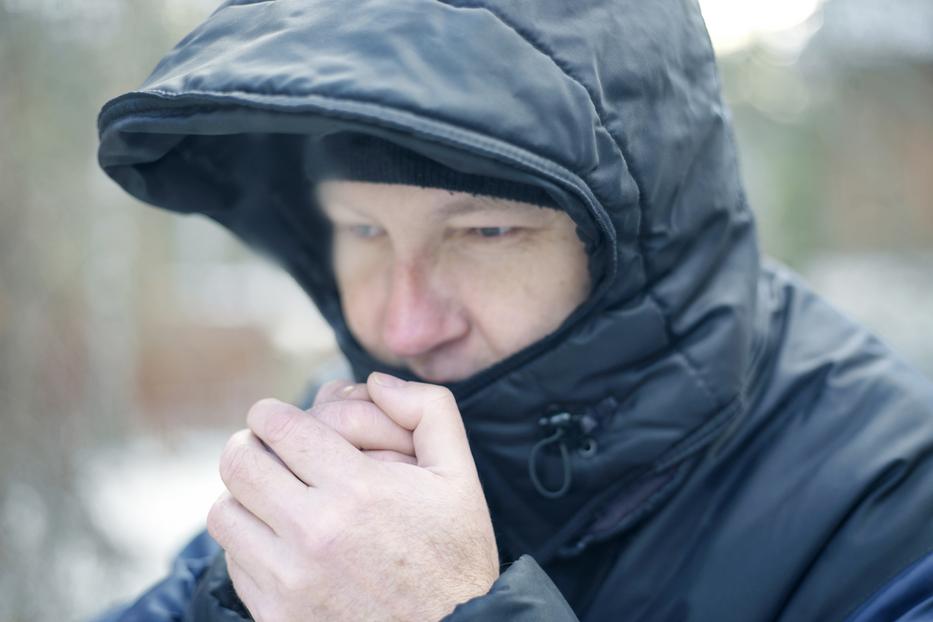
<point x="536" y="205"/>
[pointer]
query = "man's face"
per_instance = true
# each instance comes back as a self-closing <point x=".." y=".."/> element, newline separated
<point x="447" y="283"/>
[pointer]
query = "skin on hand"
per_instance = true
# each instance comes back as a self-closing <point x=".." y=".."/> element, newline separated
<point x="321" y="530"/>
<point x="346" y="407"/>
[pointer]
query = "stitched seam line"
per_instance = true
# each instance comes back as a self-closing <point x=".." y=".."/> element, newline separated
<point x="541" y="49"/>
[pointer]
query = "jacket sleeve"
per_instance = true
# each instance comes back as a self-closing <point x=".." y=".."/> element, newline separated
<point x="169" y="598"/>
<point x="906" y="598"/>
<point x="521" y="594"/>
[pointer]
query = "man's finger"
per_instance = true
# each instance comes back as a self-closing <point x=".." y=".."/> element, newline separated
<point x="245" y="585"/>
<point x="259" y="480"/>
<point x="313" y="450"/>
<point x="364" y="425"/>
<point x="241" y="534"/>
<point x="431" y="413"/>
<point x="390" y="456"/>
<point x="337" y="390"/>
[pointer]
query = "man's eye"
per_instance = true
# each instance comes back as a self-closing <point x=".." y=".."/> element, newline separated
<point x="365" y="231"/>
<point x="493" y="232"/>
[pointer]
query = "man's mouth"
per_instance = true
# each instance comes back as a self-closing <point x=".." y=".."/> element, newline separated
<point x="439" y="372"/>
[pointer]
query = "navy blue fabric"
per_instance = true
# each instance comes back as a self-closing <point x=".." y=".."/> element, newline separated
<point x="170" y="598"/>
<point x="523" y="592"/>
<point x="746" y="452"/>
<point x="908" y="598"/>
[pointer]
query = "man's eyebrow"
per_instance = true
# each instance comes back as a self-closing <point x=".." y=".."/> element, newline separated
<point x="476" y="203"/>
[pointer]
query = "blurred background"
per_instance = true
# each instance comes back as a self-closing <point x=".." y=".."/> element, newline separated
<point x="133" y="342"/>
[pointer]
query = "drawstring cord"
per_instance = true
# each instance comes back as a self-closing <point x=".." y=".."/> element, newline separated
<point x="557" y="436"/>
<point x="570" y="432"/>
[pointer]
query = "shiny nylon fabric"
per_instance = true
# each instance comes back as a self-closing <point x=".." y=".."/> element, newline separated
<point x="688" y="352"/>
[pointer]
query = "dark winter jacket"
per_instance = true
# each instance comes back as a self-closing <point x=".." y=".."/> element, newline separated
<point x="704" y="439"/>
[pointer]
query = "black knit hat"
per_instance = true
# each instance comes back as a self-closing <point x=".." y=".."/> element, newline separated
<point x="362" y="157"/>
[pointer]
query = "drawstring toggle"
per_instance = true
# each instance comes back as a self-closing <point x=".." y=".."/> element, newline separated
<point x="569" y="432"/>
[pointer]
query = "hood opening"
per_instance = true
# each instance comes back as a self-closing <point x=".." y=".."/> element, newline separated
<point x="255" y="184"/>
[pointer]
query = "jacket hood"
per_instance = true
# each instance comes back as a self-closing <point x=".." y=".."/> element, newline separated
<point x="612" y="107"/>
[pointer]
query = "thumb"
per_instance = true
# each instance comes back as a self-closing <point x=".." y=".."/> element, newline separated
<point x="431" y="413"/>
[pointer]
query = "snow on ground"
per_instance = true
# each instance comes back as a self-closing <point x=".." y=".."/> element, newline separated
<point x="150" y="498"/>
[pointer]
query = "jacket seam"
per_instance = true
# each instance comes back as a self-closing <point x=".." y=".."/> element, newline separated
<point x="544" y="51"/>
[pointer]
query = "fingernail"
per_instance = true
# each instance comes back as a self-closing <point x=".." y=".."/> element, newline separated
<point x="386" y="380"/>
<point x="346" y="391"/>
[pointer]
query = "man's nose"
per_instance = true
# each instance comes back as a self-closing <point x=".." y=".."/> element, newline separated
<point x="420" y="314"/>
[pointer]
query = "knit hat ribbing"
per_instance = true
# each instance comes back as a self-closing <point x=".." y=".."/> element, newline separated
<point x="361" y="157"/>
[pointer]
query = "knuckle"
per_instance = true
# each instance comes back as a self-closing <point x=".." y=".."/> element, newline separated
<point x="238" y="439"/>
<point x="328" y="412"/>
<point x="274" y="419"/>
<point x="293" y="522"/>
<point x="236" y="461"/>
<point x="290" y="577"/>
<point x="343" y="417"/>
<point x="439" y="397"/>
<point x="318" y="540"/>
<point x="353" y="423"/>
<point x="373" y="418"/>
<point x="293" y="515"/>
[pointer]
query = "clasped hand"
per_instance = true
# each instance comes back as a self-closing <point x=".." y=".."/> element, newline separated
<point x="365" y="507"/>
